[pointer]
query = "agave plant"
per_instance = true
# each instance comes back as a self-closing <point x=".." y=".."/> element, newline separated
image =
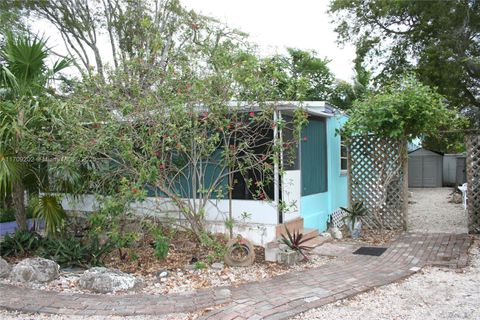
<point x="296" y="241"/>
<point x="357" y="211"/>
<point x="353" y="216"/>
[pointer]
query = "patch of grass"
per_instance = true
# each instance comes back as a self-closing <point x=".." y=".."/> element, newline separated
<point x="200" y="265"/>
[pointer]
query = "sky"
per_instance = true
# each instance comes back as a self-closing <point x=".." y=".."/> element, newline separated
<point x="277" y="25"/>
<point x="272" y="25"/>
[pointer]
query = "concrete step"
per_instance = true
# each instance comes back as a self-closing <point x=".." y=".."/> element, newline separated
<point x="292" y="225"/>
<point x="309" y="233"/>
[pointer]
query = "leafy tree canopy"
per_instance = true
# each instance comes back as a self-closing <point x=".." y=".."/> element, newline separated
<point x="300" y="75"/>
<point x="406" y="109"/>
<point x="344" y="93"/>
<point x="438" y="40"/>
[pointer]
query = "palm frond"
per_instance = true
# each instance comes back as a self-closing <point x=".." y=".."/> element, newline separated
<point x="10" y="171"/>
<point x="25" y="57"/>
<point x="60" y="65"/>
<point x="48" y="208"/>
<point x="7" y="78"/>
<point x="65" y="176"/>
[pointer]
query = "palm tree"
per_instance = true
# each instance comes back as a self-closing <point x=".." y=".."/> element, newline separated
<point x="24" y="77"/>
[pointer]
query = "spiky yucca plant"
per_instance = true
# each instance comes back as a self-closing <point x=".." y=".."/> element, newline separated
<point x="296" y="241"/>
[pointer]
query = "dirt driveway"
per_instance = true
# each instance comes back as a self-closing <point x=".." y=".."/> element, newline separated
<point x="430" y="211"/>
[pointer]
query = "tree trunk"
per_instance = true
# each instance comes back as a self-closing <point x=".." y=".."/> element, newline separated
<point x="18" y="196"/>
<point x="230" y="207"/>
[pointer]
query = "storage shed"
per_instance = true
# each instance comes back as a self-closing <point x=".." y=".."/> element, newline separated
<point x="425" y="169"/>
<point x="454" y="169"/>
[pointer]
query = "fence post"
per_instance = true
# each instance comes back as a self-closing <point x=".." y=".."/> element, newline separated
<point x="473" y="181"/>
<point x="405" y="182"/>
<point x="349" y="172"/>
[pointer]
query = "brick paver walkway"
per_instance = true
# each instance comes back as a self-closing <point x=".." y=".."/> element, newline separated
<point x="277" y="298"/>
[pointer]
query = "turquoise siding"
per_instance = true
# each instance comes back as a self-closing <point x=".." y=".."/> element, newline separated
<point x="338" y="183"/>
<point x="316" y="208"/>
<point x="314" y="213"/>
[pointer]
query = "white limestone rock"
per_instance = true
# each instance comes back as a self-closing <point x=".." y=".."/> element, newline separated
<point x="103" y="280"/>
<point x="4" y="268"/>
<point x="36" y="270"/>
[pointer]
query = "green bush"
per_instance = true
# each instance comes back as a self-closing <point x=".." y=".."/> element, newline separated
<point x="8" y="214"/>
<point x="161" y="244"/>
<point x="67" y="252"/>
<point x="71" y="252"/>
<point x="216" y="247"/>
<point x="20" y="243"/>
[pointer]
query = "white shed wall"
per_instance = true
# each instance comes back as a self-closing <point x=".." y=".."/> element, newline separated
<point x="291" y="194"/>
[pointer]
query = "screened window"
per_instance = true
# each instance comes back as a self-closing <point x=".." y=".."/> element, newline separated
<point x="254" y="183"/>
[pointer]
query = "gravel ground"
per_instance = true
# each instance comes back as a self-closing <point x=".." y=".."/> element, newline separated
<point x="431" y="211"/>
<point x="432" y="294"/>
<point x="9" y="315"/>
<point x="185" y="281"/>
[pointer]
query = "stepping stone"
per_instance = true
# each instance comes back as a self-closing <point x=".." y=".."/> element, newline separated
<point x="335" y="249"/>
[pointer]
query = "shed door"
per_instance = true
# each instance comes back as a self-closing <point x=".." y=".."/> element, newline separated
<point x="424" y="171"/>
<point x="415" y="175"/>
<point x="430" y="169"/>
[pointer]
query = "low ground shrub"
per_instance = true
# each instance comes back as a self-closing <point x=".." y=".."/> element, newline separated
<point x="67" y="251"/>
<point x="20" y="243"/>
<point x="216" y="247"/>
<point x="161" y="244"/>
<point x="8" y="214"/>
<point x="74" y="252"/>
